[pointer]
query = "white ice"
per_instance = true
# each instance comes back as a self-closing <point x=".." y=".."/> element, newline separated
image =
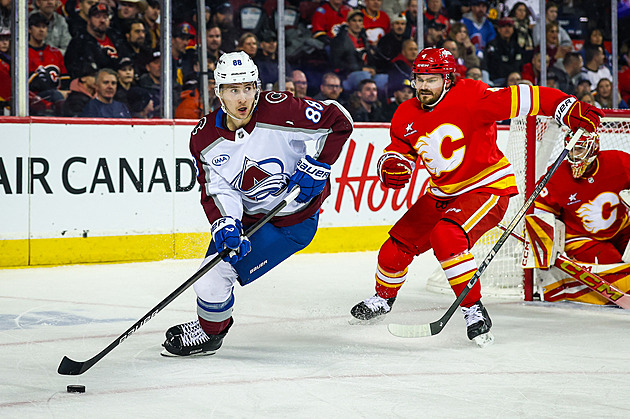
<point x="292" y="352"/>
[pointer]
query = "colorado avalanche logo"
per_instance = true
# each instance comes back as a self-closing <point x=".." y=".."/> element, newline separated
<point x="276" y="97"/>
<point x="258" y="180"/>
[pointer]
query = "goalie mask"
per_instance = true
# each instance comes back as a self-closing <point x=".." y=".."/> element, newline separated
<point x="583" y="154"/>
<point x="435" y="61"/>
<point x="236" y="68"/>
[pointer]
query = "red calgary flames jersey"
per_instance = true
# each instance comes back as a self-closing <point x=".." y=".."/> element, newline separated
<point x="456" y="140"/>
<point x="590" y="206"/>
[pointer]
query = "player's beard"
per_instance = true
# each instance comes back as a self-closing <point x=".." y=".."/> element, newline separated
<point x="430" y="97"/>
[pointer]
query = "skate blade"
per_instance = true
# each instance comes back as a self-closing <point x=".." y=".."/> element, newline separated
<point x="376" y="320"/>
<point x="170" y="355"/>
<point x="484" y="340"/>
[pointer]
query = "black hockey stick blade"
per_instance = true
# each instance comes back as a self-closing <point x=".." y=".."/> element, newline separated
<point x="431" y="329"/>
<point x="70" y="367"/>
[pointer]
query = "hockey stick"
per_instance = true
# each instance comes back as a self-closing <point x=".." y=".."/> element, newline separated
<point x="430" y="329"/>
<point x="591" y="280"/>
<point x="70" y="367"/>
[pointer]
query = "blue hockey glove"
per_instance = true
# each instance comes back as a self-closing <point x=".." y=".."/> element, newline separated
<point x="311" y="177"/>
<point x="228" y="234"/>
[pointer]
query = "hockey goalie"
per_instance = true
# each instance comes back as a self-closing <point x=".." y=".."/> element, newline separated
<point x="578" y="235"/>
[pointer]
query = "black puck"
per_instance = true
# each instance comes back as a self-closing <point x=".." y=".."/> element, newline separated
<point x="76" y="388"/>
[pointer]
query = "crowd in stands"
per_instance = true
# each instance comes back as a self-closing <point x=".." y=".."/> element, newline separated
<point x="101" y="58"/>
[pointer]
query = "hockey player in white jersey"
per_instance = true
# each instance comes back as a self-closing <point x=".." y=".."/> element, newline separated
<point x="248" y="155"/>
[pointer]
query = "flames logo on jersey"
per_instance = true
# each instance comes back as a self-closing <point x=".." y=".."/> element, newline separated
<point x="593" y="213"/>
<point x="438" y="150"/>
<point x="259" y="179"/>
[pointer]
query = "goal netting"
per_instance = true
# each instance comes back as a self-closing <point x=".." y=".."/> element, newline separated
<point x="532" y="145"/>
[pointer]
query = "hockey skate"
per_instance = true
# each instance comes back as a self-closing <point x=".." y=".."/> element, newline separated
<point x="371" y="310"/>
<point x="193" y="341"/>
<point x="189" y="327"/>
<point x="478" y="324"/>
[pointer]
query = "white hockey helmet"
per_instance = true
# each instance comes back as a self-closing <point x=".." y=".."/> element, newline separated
<point x="583" y="154"/>
<point x="235" y="67"/>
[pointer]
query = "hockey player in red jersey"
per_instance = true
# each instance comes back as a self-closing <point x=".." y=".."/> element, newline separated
<point x="586" y="194"/>
<point x="248" y="155"/>
<point x="450" y="129"/>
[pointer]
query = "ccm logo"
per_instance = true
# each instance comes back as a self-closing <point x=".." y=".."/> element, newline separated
<point x="220" y="160"/>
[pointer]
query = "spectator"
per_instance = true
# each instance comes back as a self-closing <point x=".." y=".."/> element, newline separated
<point x="390" y="45"/>
<point x="435" y="13"/>
<point x="411" y="14"/>
<point x="248" y="43"/>
<point x="330" y="89"/>
<point x="587" y="97"/>
<point x="465" y="48"/>
<point x="328" y="18"/>
<point x="554" y="50"/>
<point x="604" y="95"/>
<point x="125" y="70"/>
<point x="133" y="45"/>
<point x="103" y="105"/>
<point x="224" y="19"/>
<point x="150" y="80"/>
<point x="128" y="10"/>
<point x="183" y="58"/>
<point x="349" y="49"/>
<point x="594" y="69"/>
<point x="93" y="45"/>
<point x="595" y="37"/>
<point x="583" y="86"/>
<point x="532" y="6"/>
<point x="58" y="32"/>
<point x="364" y="106"/>
<point x="47" y="71"/>
<point x="6" y="7"/>
<point x="531" y="71"/>
<point x="301" y="84"/>
<point x="460" y="69"/>
<point x="5" y="65"/>
<point x="191" y="102"/>
<point x="567" y="72"/>
<point x="522" y="27"/>
<point x="140" y="103"/>
<point x="551" y="16"/>
<point x="402" y="64"/>
<point x="213" y="45"/>
<point x="82" y="90"/>
<point x="503" y="54"/>
<point x="479" y="27"/>
<point x="474" y="73"/>
<point x="402" y="91"/>
<point x="375" y="21"/>
<point x="288" y="86"/>
<point x="150" y="18"/>
<point x="435" y="33"/>
<point x="77" y="21"/>
<point x="267" y="59"/>
<point x="513" y="79"/>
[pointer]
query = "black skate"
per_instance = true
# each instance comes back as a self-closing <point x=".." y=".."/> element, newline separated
<point x="194" y="342"/>
<point x="478" y="324"/>
<point x="190" y="327"/>
<point x="372" y="309"/>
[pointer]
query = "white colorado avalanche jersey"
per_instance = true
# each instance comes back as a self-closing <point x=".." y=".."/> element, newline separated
<point x="244" y="173"/>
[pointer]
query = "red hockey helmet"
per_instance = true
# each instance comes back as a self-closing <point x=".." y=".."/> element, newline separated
<point x="434" y="61"/>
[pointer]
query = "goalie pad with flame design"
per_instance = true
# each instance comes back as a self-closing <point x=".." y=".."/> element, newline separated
<point x="545" y="240"/>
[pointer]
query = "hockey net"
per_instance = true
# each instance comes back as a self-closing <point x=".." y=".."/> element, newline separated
<point x="532" y="145"/>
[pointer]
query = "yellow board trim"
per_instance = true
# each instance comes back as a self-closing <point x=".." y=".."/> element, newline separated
<point x="142" y="248"/>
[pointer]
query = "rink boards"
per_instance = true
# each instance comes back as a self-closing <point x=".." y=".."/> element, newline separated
<point x="88" y="191"/>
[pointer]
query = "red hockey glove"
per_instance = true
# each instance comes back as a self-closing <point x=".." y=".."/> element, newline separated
<point x="394" y="170"/>
<point x="577" y="114"/>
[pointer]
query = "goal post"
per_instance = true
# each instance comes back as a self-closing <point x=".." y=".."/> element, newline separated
<point x="533" y="144"/>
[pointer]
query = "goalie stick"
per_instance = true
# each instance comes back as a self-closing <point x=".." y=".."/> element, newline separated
<point x="433" y="328"/>
<point x="70" y="367"/>
<point x="591" y="280"/>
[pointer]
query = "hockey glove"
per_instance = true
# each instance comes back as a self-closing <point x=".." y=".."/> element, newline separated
<point x="311" y="176"/>
<point x="394" y="170"/>
<point x="577" y="114"/>
<point x="228" y="234"/>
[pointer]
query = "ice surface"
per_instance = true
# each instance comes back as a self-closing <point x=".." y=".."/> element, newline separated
<point x="292" y="352"/>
